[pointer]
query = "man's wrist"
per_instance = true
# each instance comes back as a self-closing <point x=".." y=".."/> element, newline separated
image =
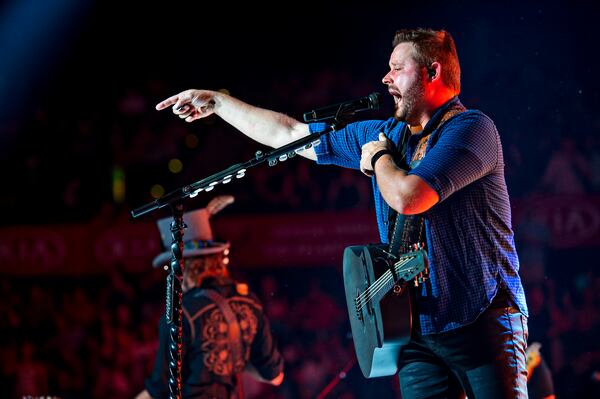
<point x="378" y="155"/>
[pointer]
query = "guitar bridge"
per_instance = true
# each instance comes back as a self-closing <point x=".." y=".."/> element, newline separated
<point x="359" y="314"/>
<point x="357" y="308"/>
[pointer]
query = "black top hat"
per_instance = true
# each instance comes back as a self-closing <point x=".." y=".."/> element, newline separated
<point x="198" y="237"/>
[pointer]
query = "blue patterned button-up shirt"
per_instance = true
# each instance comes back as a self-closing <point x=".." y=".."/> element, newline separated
<point x="469" y="235"/>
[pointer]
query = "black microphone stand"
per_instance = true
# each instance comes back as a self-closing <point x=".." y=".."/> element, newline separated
<point x="175" y="199"/>
<point x="174" y="300"/>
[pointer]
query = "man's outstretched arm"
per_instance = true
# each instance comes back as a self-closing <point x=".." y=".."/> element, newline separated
<point x="264" y="126"/>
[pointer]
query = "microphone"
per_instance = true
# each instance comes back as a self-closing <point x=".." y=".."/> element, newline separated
<point x="345" y="109"/>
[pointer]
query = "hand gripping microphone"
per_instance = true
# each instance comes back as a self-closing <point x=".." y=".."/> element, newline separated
<point x="344" y="109"/>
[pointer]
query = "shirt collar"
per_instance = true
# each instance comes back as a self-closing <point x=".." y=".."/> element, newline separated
<point x="438" y="114"/>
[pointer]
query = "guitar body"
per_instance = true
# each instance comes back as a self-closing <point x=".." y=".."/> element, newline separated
<point x="380" y="328"/>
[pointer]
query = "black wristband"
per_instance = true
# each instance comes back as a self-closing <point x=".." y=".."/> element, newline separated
<point x="378" y="155"/>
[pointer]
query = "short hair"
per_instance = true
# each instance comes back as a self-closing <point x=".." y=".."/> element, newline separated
<point x="433" y="46"/>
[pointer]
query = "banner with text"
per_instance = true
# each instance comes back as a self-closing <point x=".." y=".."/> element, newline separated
<point x="262" y="241"/>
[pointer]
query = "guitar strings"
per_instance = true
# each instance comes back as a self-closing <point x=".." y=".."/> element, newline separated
<point x="385" y="283"/>
<point x="381" y="283"/>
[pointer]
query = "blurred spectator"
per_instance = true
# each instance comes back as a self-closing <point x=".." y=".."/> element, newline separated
<point x="318" y="312"/>
<point x="539" y="376"/>
<point x="350" y="190"/>
<point x="532" y="236"/>
<point x="539" y="319"/>
<point x="276" y="305"/>
<point x="593" y="149"/>
<point x="567" y="171"/>
<point x="31" y="374"/>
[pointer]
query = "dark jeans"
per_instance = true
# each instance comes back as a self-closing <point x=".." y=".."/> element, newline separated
<point x="485" y="359"/>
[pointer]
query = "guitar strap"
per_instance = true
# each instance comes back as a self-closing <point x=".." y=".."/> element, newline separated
<point x="234" y="332"/>
<point x="406" y="230"/>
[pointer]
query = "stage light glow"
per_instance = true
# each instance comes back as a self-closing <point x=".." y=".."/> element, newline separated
<point x="157" y="191"/>
<point x="118" y="185"/>
<point x="175" y="165"/>
<point x="191" y="141"/>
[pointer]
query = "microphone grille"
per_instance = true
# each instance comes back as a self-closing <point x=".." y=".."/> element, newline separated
<point x="375" y="100"/>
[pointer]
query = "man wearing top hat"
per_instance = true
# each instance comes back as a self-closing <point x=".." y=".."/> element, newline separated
<point x="212" y="360"/>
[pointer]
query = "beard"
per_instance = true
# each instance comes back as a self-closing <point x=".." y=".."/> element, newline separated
<point x="407" y="109"/>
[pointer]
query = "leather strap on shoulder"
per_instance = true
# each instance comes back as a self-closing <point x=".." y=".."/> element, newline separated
<point x="235" y="335"/>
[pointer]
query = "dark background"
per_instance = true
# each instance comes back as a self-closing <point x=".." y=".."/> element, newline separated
<point x="532" y="68"/>
<point x="80" y="141"/>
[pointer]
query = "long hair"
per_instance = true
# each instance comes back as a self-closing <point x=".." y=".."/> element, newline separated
<point x="433" y="46"/>
<point x="198" y="268"/>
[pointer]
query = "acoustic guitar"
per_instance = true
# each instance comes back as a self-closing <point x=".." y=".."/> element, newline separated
<point x="380" y="322"/>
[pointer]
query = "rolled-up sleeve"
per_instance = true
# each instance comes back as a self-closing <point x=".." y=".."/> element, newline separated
<point x="467" y="150"/>
<point x="344" y="147"/>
